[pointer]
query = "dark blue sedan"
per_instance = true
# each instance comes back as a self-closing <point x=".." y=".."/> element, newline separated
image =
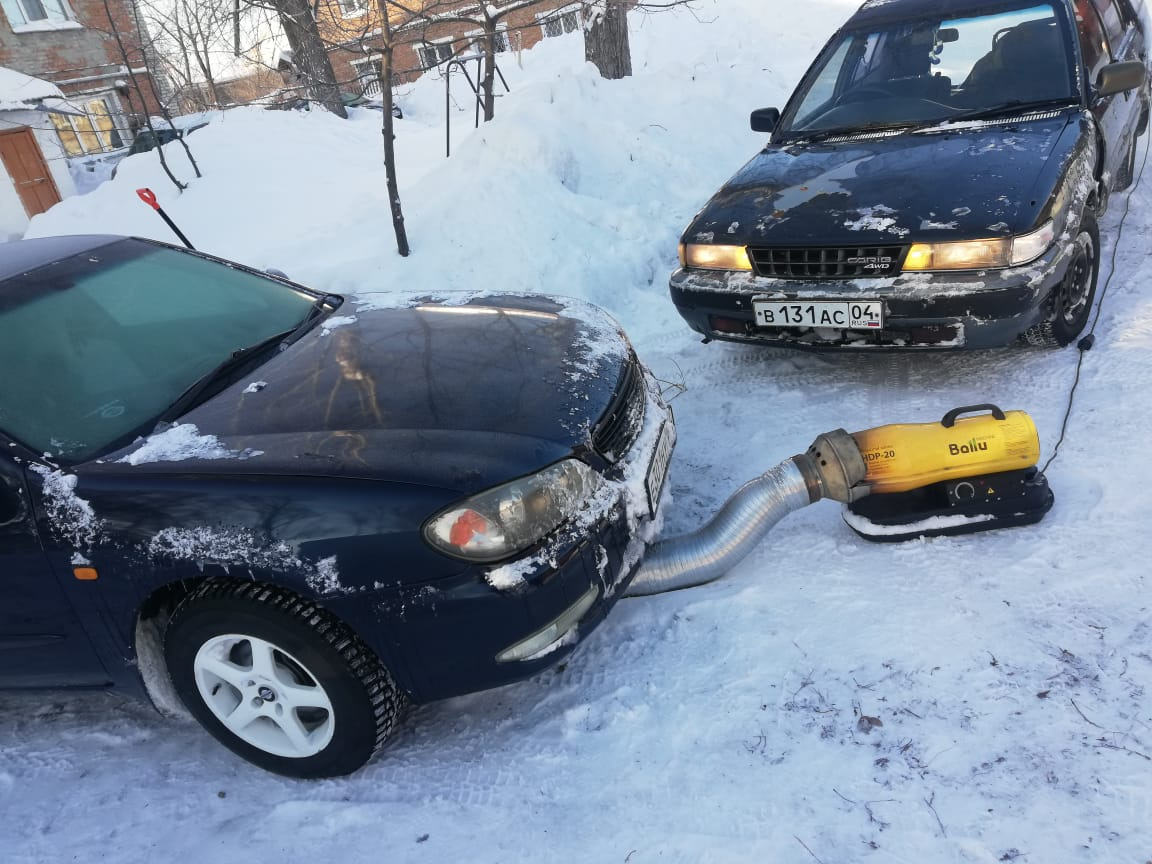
<point x="288" y="517"/>
<point x="936" y="181"/>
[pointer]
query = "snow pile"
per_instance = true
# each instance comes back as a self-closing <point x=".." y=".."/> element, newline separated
<point x="19" y="92"/>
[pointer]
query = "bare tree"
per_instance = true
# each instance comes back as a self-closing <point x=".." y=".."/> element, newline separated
<point x="190" y="32"/>
<point x="388" y="130"/>
<point x="135" y="57"/>
<point x="415" y="21"/>
<point x="310" y="59"/>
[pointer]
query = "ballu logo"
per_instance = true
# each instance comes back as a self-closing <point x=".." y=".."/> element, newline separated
<point x="972" y="446"/>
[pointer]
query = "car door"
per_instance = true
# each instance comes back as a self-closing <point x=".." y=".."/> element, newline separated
<point x="1117" y="114"/>
<point x="42" y="644"/>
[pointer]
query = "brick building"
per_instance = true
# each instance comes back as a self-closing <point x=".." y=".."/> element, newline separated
<point x="352" y="28"/>
<point x="70" y="43"/>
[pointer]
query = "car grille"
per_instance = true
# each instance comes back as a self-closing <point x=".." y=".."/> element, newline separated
<point x="621" y="423"/>
<point x="845" y="262"/>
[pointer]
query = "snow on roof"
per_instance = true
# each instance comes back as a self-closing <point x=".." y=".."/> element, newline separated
<point x="18" y="91"/>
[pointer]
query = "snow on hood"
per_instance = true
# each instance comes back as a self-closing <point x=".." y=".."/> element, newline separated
<point x="180" y="442"/>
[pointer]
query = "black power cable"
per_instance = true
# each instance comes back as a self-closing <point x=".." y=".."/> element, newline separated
<point x="1086" y="342"/>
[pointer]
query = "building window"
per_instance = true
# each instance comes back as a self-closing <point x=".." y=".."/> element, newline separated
<point x="503" y="41"/>
<point x="434" y="53"/>
<point x="561" y="22"/>
<point x="370" y="76"/>
<point x="94" y="132"/>
<point x="30" y="12"/>
<point x="353" y="8"/>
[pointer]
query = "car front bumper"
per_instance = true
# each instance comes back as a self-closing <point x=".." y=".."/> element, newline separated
<point x="445" y="637"/>
<point x="938" y="310"/>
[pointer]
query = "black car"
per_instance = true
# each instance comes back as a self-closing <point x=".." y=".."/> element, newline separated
<point x="935" y="181"/>
<point x="228" y="490"/>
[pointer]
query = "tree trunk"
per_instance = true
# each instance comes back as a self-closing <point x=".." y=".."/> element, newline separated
<point x="389" y="149"/>
<point x="606" y="38"/>
<point x="309" y="55"/>
<point x="488" y="83"/>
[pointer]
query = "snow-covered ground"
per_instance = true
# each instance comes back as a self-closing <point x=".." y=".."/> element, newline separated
<point x="1006" y="676"/>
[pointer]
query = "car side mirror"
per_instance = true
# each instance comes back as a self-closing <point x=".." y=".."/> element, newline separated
<point x="765" y="119"/>
<point x="1118" y="77"/>
<point x="279" y="274"/>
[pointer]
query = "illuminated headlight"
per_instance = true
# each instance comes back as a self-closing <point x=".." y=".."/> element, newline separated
<point x="709" y="257"/>
<point x="981" y="254"/>
<point x="508" y="519"/>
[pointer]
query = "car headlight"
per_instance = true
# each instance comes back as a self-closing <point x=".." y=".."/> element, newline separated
<point x="508" y="519"/>
<point x="710" y="257"/>
<point x="981" y="254"/>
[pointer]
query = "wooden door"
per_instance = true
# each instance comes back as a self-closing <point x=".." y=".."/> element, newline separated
<point x="29" y="172"/>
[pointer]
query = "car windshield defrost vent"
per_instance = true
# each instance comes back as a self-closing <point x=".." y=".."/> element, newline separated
<point x="621" y="423"/>
<point x="847" y="262"/>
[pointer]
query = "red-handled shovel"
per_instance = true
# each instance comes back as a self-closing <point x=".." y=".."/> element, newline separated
<point x="149" y="198"/>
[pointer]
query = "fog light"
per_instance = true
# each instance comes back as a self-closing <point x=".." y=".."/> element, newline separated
<point x="728" y="325"/>
<point x="535" y="644"/>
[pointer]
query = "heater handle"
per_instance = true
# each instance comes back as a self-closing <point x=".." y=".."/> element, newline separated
<point x="950" y="418"/>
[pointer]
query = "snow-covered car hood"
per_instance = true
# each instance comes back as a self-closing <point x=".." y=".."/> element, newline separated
<point x="456" y="396"/>
<point x="980" y="181"/>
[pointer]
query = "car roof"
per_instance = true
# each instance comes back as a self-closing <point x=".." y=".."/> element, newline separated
<point x="883" y="11"/>
<point x="20" y="256"/>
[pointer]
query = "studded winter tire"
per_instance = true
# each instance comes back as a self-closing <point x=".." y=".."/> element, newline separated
<point x="1073" y="296"/>
<point x="278" y="680"/>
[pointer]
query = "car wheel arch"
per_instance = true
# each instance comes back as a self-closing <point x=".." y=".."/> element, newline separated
<point x="150" y="625"/>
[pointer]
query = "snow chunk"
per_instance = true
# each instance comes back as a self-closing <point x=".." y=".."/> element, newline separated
<point x="69" y="514"/>
<point x="184" y="441"/>
<point x="326" y="579"/>
<point x="331" y="324"/>
<point x="243" y="548"/>
<point x="510" y="577"/>
<point x="933" y="523"/>
<point x="876" y="218"/>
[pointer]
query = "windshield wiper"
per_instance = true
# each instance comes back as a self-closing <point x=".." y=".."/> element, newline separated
<point x="201" y="388"/>
<point x="317" y="310"/>
<point x="221" y="372"/>
<point x="1006" y="109"/>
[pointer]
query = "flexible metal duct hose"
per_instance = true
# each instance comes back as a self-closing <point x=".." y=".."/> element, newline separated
<point x="831" y="468"/>
<point x="707" y="554"/>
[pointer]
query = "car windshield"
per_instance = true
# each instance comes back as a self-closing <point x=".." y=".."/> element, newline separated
<point x="916" y="72"/>
<point x="94" y="348"/>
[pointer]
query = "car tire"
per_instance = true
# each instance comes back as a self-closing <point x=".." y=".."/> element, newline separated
<point x="278" y="680"/>
<point x="1073" y="296"/>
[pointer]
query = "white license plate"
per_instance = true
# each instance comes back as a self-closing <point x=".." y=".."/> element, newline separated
<point x="658" y="467"/>
<point x="839" y="314"/>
